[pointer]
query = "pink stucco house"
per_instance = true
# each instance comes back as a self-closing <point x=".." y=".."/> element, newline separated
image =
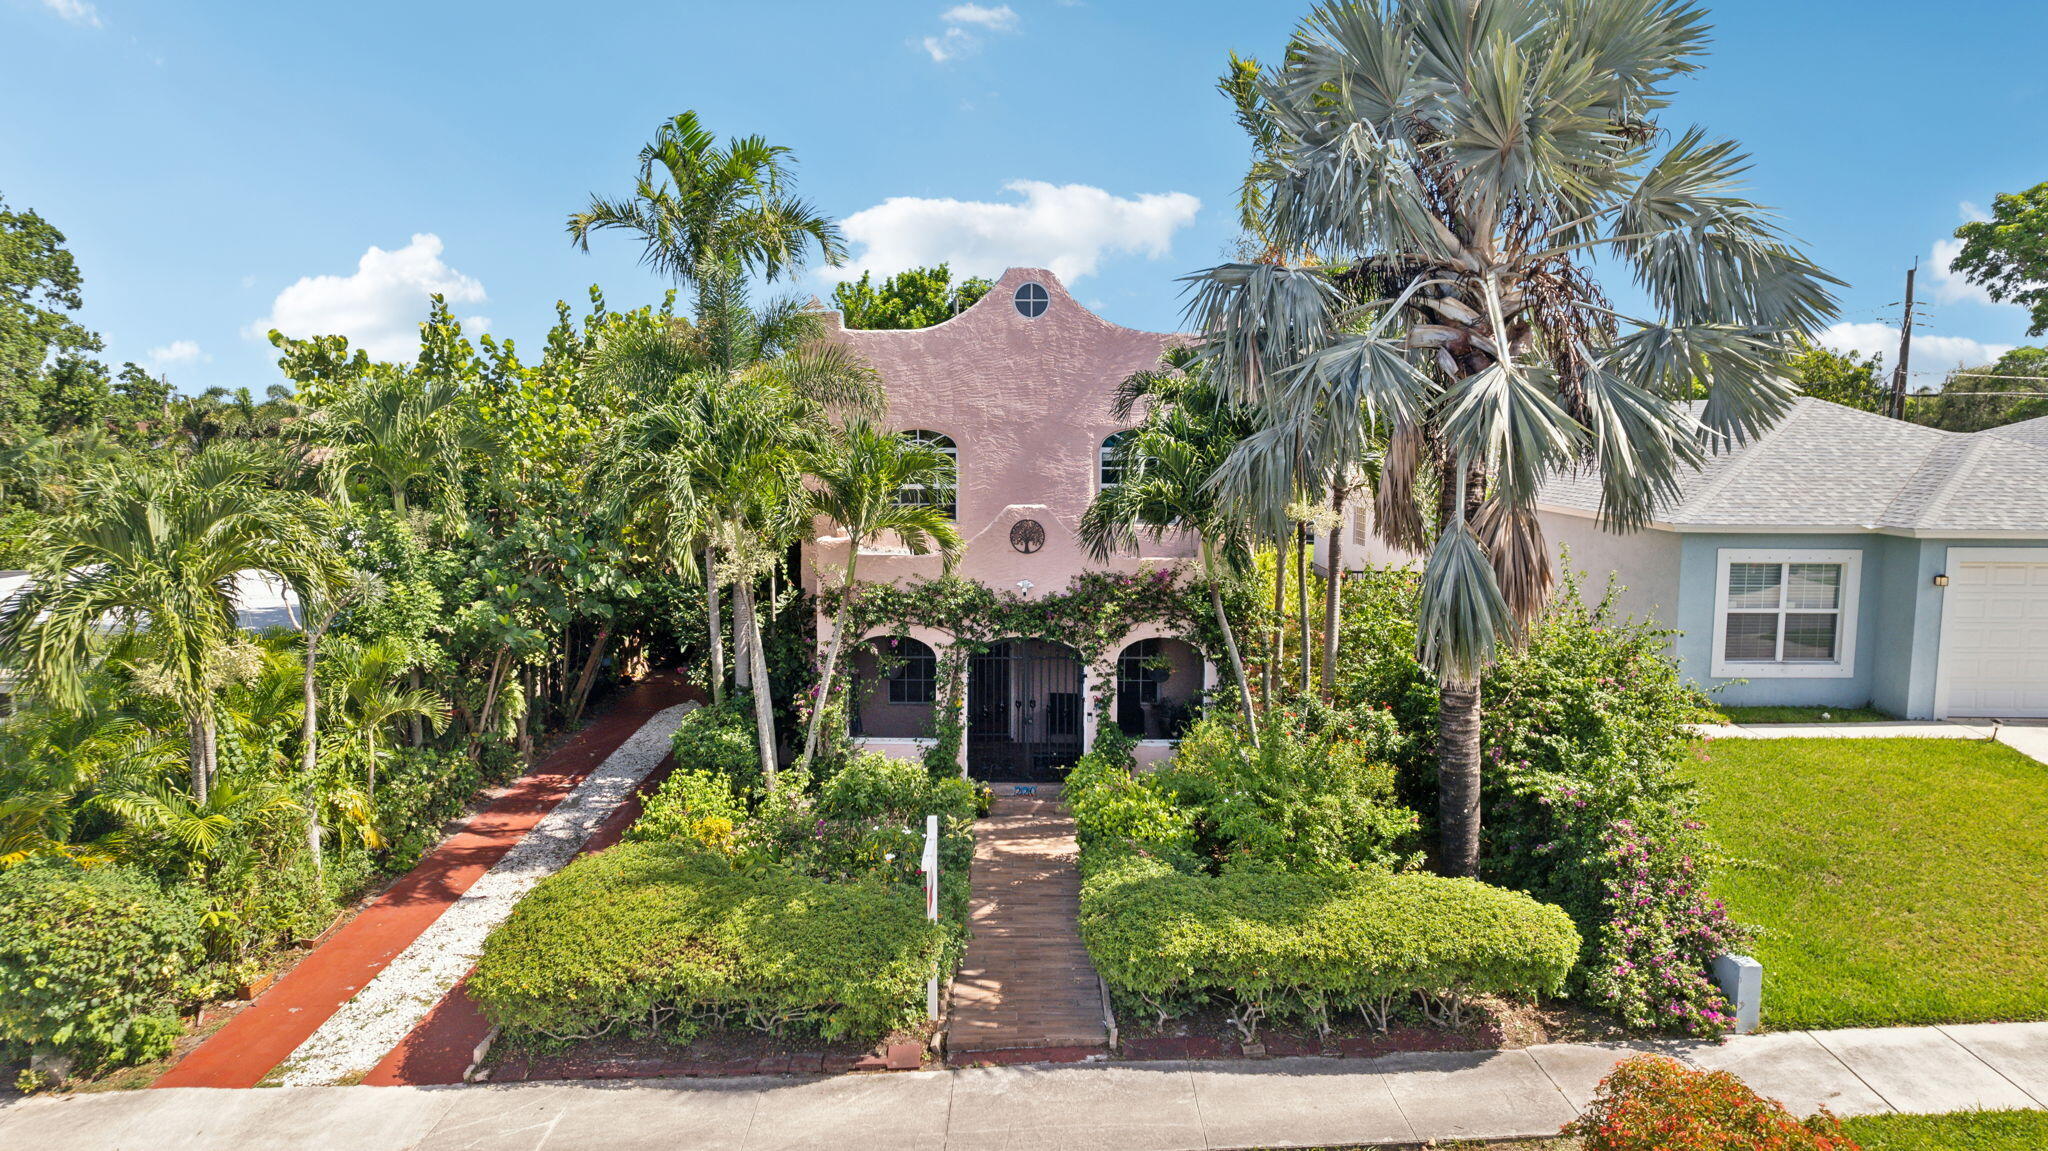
<point x="1018" y="387"/>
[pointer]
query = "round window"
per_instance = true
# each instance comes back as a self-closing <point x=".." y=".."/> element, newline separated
<point x="1032" y="300"/>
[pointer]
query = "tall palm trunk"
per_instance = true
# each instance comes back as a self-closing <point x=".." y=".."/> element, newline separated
<point x="716" y="625"/>
<point x="419" y="724"/>
<point x="1301" y="545"/>
<point x="840" y="619"/>
<point x="1270" y="680"/>
<point x="1244" y="687"/>
<point x="1333" y="593"/>
<point x="746" y="625"/>
<point x="195" y="735"/>
<point x="1457" y="751"/>
<point x="1457" y="721"/>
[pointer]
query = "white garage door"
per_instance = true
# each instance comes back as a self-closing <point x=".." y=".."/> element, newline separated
<point x="1995" y="655"/>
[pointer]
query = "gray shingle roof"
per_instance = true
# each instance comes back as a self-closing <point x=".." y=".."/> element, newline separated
<point x="1827" y="466"/>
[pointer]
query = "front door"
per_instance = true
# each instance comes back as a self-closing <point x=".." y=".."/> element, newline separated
<point x="1024" y="707"/>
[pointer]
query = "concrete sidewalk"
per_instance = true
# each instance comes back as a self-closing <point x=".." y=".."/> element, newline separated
<point x="2029" y="737"/>
<point x="1070" y="1107"/>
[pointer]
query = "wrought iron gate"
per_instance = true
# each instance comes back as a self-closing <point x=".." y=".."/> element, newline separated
<point x="1024" y="703"/>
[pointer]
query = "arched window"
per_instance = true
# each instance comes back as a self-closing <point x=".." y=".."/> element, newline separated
<point x="914" y="676"/>
<point x="919" y="495"/>
<point x="1158" y="686"/>
<point x="1032" y="299"/>
<point x="1109" y="460"/>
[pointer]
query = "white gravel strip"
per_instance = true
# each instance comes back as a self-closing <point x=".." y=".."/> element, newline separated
<point x="356" y="1038"/>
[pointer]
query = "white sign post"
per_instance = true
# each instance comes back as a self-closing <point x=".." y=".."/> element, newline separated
<point x="930" y="864"/>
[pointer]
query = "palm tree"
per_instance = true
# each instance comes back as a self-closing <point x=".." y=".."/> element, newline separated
<point x="148" y="562"/>
<point x="1466" y="161"/>
<point x="53" y="759"/>
<point x="393" y="429"/>
<point x="1170" y="464"/>
<point x="711" y="217"/>
<point x="858" y="479"/>
<point x="368" y="694"/>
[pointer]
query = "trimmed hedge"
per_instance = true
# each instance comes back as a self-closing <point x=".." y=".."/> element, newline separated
<point x="658" y="938"/>
<point x="1281" y="944"/>
<point x="89" y="959"/>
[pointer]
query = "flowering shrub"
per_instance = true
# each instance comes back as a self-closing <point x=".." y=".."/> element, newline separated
<point x="1654" y="1103"/>
<point x="1662" y="934"/>
<point x="1585" y="732"/>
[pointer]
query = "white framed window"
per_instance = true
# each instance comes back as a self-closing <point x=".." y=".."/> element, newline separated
<point x="919" y="495"/>
<point x="1109" y="461"/>
<point x="1785" y="614"/>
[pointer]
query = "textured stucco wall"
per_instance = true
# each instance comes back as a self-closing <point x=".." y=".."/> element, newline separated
<point x="1027" y="403"/>
<point x="1644" y="564"/>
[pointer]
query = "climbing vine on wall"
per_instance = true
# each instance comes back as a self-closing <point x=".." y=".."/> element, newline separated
<point x="1094" y="611"/>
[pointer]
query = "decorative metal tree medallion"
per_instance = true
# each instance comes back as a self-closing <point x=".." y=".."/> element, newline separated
<point x="1027" y="536"/>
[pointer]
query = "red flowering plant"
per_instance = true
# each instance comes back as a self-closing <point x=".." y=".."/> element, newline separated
<point x="1655" y="1103"/>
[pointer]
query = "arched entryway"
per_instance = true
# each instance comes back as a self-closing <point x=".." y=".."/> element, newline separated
<point x="1025" y="702"/>
<point x="1158" y="685"/>
<point x="895" y="688"/>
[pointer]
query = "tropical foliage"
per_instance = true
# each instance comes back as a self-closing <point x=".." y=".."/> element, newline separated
<point x="1433" y="181"/>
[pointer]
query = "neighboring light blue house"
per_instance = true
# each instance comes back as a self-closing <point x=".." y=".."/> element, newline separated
<point x="1842" y="559"/>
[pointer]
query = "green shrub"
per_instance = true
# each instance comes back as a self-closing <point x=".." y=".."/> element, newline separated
<point x="657" y="939"/>
<point x="88" y="960"/>
<point x="873" y="786"/>
<point x="421" y="789"/>
<point x="1117" y="814"/>
<point x="720" y="739"/>
<point x="1305" y="946"/>
<point x="691" y="807"/>
<point x="1584" y="740"/>
<point x="1301" y="801"/>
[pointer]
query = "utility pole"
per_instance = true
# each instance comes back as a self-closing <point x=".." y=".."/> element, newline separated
<point x="1898" y="407"/>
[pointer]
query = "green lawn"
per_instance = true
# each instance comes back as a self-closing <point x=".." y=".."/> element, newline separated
<point x="1897" y="880"/>
<point x="1801" y="714"/>
<point x="1966" y="1131"/>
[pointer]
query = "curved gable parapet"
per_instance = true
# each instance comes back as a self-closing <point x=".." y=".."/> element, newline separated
<point x="1026" y="401"/>
<point x="1067" y="349"/>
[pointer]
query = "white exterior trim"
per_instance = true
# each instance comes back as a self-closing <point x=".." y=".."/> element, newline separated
<point x="1957" y="557"/>
<point x="1844" y="663"/>
<point x="1696" y="527"/>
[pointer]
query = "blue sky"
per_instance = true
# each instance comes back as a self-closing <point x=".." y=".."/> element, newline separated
<point x="222" y="166"/>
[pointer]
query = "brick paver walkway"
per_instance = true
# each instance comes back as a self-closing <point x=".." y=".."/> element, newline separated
<point x="254" y="1042"/>
<point x="1027" y="982"/>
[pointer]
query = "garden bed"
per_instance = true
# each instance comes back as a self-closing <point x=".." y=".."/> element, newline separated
<point x="1896" y="881"/>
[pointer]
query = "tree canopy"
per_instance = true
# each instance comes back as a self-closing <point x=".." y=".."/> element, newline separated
<point x="913" y="298"/>
<point x="2008" y="254"/>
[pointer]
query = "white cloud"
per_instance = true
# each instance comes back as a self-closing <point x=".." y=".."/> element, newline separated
<point x="1933" y="356"/>
<point x="998" y="19"/>
<point x="1065" y="227"/>
<point x="965" y="26"/>
<point x="77" y="11"/>
<point x="176" y="352"/>
<point x="379" y="308"/>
